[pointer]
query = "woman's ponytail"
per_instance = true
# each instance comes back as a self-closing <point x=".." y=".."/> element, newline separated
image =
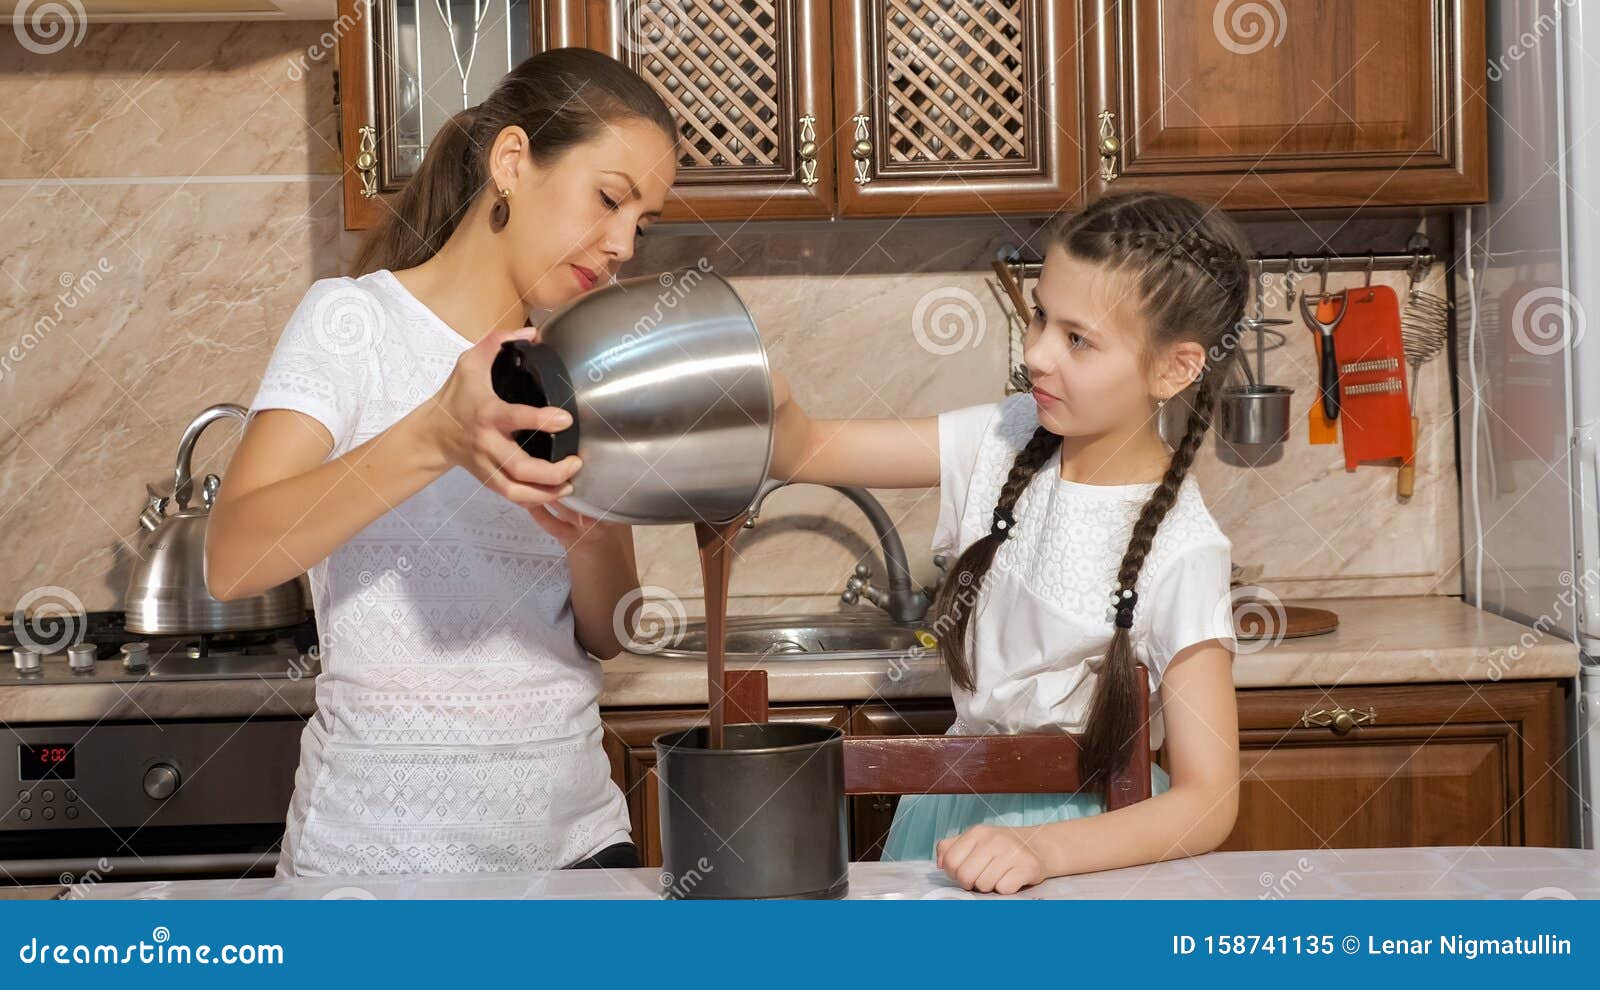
<point x="432" y="203"/>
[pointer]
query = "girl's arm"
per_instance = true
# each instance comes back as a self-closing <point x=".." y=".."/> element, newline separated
<point x="1195" y="816"/>
<point x="872" y="453"/>
<point x="285" y="507"/>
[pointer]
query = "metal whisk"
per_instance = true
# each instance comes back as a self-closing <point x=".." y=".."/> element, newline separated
<point x="1424" y="327"/>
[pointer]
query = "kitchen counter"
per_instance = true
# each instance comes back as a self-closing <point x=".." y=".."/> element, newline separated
<point x="1448" y="872"/>
<point x="1379" y="641"/>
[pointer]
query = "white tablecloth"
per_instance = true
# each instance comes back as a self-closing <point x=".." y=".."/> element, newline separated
<point x="1431" y="872"/>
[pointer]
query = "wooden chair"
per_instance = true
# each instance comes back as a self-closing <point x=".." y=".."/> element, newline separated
<point x="992" y="764"/>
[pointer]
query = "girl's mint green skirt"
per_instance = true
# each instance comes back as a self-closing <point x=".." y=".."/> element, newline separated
<point x="922" y="820"/>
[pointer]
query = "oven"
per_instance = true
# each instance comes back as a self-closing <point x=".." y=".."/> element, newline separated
<point x="126" y="801"/>
<point x="108" y="774"/>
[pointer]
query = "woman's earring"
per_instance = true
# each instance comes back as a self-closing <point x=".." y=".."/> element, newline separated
<point x="500" y="212"/>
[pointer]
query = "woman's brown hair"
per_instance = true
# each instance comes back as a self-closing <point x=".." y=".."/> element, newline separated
<point x="1192" y="283"/>
<point x="561" y="98"/>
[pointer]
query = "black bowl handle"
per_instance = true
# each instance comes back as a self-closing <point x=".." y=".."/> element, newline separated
<point x="534" y="375"/>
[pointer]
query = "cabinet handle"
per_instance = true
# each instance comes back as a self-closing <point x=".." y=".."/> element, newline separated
<point x="1341" y="719"/>
<point x="367" y="161"/>
<point x="861" y="151"/>
<point x="808" y="150"/>
<point x="1110" y="146"/>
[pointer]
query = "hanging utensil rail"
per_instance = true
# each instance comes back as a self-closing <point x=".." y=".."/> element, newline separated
<point x="1417" y="260"/>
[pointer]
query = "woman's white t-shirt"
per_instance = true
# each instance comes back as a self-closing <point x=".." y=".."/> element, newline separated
<point x="1042" y="621"/>
<point x="457" y="725"/>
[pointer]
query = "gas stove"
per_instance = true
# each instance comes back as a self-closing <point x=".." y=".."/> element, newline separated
<point x="97" y="646"/>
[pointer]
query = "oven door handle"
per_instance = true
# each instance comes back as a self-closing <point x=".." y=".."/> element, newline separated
<point x="105" y="869"/>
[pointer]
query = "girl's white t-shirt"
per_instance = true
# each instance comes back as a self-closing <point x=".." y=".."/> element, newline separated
<point x="457" y="725"/>
<point x="1043" y="621"/>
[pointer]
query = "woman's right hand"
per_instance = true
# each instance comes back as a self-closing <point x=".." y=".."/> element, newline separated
<point x="470" y="426"/>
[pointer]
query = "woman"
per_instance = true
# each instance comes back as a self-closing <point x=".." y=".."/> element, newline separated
<point x="457" y="725"/>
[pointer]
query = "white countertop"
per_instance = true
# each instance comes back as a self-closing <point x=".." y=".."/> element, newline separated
<point x="1379" y="641"/>
<point x="1452" y="872"/>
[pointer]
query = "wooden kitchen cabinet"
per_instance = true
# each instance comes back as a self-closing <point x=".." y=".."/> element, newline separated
<point x="796" y="109"/>
<point x="750" y="83"/>
<point x="1438" y="764"/>
<point x="629" y="736"/>
<point x="956" y="107"/>
<point x="1319" y="103"/>
<point x="872" y="814"/>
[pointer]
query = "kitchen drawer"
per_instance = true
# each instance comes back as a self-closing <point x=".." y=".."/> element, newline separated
<point x="1437" y="764"/>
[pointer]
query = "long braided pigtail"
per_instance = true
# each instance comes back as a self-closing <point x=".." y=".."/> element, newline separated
<point x="958" y="595"/>
<point x="1111" y="724"/>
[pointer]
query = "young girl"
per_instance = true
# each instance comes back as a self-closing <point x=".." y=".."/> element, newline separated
<point x="457" y="726"/>
<point x="1061" y="502"/>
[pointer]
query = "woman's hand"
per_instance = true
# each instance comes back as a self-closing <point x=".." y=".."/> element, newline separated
<point x="991" y="858"/>
<point x="468" y="425"/>
<point x="576" y="531"/>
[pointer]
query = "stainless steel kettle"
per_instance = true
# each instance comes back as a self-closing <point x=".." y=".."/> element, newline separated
<point x="167" y="592"/>
<point x="670" y="394"/>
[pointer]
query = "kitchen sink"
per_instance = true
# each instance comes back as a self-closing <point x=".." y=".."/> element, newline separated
<point x="804" y="637"/>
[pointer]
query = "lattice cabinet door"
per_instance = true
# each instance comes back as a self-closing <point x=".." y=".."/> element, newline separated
<point x="948" y="107"/>
<point x="1268" y="105"/>
<point x="750" y="84"/>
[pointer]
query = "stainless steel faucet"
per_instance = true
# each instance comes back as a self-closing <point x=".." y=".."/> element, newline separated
<point x="905" y="603"/>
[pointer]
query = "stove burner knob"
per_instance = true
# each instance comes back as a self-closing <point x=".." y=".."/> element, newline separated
<point x="135" y="656"/>
<point x="160" y="781"/>
<point x="81" y="658"/>
<point x="27" y="661"/>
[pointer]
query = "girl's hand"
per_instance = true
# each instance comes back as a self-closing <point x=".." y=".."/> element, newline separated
<point x="780" y="390"/>
<point x="575" y="531"/>
<point x="790" y="431"/>
<point x="468" y="425"/>
<point x="991" y="858"/>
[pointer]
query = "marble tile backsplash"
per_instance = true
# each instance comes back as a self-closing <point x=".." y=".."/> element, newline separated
<point x="170" y="191"/>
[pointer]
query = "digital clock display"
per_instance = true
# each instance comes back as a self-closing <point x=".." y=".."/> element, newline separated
<point x="46" y="761"/>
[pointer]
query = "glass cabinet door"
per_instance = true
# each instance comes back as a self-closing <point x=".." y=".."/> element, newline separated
<point x="406" y="66"/>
